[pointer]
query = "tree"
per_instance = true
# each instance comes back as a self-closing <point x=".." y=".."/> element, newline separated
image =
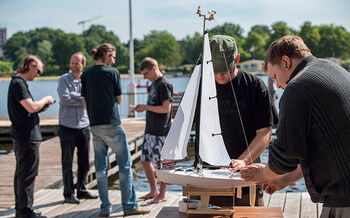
<point x="334" y="42"/>
<point x="162" y="46"/>
<point x="262" y="30"/>
<point x="64" y="46"/>
<point x="230" y="29"/>
<point x="97" y="35"/>
<point x="279" y="29"/>
<point x="15" y="48"/>
<point x="191" y="48"/>
<point x="255" y="44"/>
<point x="311" y="37"/>
<point x="6" y="67"/>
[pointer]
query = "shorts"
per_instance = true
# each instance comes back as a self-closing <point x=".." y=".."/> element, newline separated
<point x="151" y="147"/>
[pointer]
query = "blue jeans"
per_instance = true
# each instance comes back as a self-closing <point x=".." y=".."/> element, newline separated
<point x="105" y="136"/>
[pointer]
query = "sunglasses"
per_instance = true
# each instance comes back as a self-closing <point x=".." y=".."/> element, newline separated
<point x="38" y="71"/>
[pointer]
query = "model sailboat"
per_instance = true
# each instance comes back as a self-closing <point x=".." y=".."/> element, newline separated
<point x="211" y="145"/>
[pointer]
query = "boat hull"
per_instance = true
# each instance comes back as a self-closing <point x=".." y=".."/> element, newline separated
<point x="206" y="179"/>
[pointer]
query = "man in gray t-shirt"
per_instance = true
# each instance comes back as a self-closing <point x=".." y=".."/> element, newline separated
<point x="158" y="121"/>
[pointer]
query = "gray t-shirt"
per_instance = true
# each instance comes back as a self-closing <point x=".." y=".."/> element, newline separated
<point x="160" y="91"/>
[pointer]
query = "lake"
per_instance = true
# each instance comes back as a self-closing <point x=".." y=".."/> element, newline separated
<point x="41" y="88"/>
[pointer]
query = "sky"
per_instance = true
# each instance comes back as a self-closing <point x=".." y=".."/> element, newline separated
<point x="175" y="16"/>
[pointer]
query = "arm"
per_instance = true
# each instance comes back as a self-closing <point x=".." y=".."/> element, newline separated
<point x="256" y="147"/>
<point x="161" y="109"/>
<point x="35" y="106"/>
<point x="68" y="98"/>
<point x="118" y="99"/>
<point x="282" y="181"/>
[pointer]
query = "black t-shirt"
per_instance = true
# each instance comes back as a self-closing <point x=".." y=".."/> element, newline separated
<point x="255" y="106"/>
<point x="25" y="126"/>
<point x="159" y="124"/>
<point x="100" y="86"/>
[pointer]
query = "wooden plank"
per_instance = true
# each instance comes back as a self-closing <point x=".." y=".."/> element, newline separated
<point x="50" y="172"/>
<point x="262" y="212"/>
<point x="266" y="198"/>
<point x="277" y="200"/>
<point x="292" y="205"/>
<point x="308" y="208"/>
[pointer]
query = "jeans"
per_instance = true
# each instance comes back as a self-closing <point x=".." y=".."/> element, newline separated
<point x="71" y="138"/>
<point x="27" y="166"/>
<point x="112" y="136"/>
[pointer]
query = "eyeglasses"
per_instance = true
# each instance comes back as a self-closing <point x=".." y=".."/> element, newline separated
<point x="145" y="74"/>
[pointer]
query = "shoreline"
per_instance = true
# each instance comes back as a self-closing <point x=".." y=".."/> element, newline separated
<point x="8" y="78"/>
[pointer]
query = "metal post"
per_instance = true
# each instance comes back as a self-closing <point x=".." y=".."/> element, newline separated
<point x="131" y="86"/>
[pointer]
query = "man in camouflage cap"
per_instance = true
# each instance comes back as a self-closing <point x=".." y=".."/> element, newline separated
<point x="255" y="108"/>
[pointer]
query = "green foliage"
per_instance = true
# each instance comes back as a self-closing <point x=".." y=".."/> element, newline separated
<point x="6" y="68"/>
<point x="279" y="29"/>
<point x="346" y="65"/>
<point x="311" y="36"/>
<point x="55" y="47"/>
<point x="162" y="46"/>
<point x="97" y="35"/>
<point x="191" y="48"/>
<point x="234" y="30"/>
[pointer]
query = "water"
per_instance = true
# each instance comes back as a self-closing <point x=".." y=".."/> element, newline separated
<point x="141" y="183"/>
<point x="41" y="88"/>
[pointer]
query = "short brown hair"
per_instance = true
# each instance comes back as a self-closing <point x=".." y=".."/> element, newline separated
<point x="148" y="63"/>
<point x="23" y="67"/>
<point x="102" y="50"/>
<point x="291" y="45"/>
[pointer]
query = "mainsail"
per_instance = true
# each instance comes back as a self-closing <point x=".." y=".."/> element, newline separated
<point x="211" y="146"/>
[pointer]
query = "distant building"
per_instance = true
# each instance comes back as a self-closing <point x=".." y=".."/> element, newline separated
<point x="2" y="40"/>
<point x="252" y="66"/>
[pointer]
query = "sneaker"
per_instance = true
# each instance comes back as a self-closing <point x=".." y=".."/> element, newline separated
<point x="104" y="213"/>
<point x="136" y="212"/>
<point x="71" y="200"/>
<point x="32" y="215"/>
<point x="86" y="195"/>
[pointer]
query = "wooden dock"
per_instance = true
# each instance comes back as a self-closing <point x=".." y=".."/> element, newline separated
<point x="50" y="203"/>
<point x="50" y="171"/>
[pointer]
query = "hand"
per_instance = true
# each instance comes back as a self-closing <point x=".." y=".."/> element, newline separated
<point x="253" y="172"/>
<point x="139" y="107"/>
<point x="168" y="164"/>
<point x="50" y="100"/>
<point x="237" y="164"/>
<point x="274" y="184"/>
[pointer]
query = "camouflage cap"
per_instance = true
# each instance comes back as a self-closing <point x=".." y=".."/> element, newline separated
<point x="220" y="45"/>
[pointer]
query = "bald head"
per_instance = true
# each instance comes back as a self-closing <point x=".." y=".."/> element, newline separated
<point x="77" y="64"/>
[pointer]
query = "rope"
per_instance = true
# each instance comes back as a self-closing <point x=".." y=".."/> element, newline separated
<point x="239" y="112"/>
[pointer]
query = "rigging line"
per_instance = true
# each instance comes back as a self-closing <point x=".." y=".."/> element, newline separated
<point x="239" y="111"/>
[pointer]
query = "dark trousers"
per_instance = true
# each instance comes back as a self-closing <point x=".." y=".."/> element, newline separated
<point x="71" y="138"/>
<point x="27" y="165"/>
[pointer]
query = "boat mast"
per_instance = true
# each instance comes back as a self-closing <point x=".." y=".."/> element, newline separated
<point x="198" y="163"/>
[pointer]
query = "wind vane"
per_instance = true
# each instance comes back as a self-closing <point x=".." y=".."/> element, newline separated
<point x="209" y="18"/>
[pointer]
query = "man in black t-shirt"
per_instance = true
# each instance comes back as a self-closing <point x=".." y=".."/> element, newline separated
<point x="101" y="91"/>
<point x="25" y="132"/>
<point x="246" y="110"/>
<point x="158" y="121"/>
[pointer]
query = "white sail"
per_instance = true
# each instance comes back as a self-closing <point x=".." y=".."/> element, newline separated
<point x="211" y="145"/>
<point x="175" y="145"/>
